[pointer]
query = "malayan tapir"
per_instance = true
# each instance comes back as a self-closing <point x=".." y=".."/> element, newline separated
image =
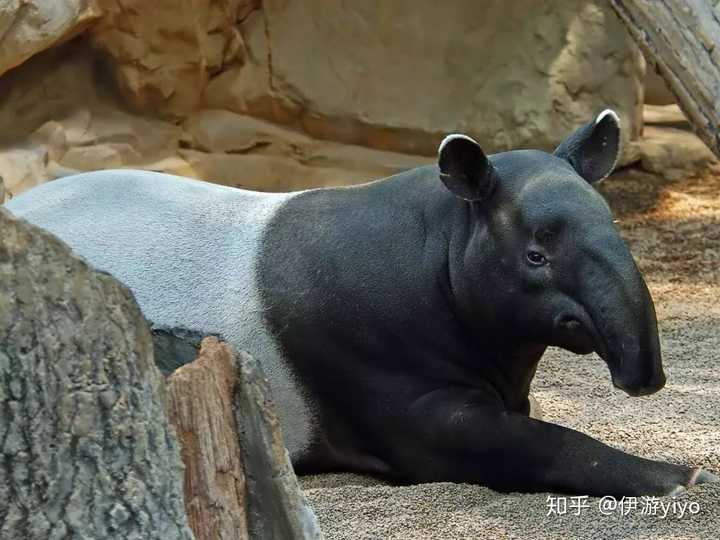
<point x="399" y="322"/>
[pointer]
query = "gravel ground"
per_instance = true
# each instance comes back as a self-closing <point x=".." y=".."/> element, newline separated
<point x="674" y="232"/>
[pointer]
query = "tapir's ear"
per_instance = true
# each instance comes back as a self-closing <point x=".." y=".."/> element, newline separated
<point x="464" y="169"/>
<point x="594" y="148"/>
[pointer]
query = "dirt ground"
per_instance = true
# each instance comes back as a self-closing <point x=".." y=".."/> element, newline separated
<point x="674" y="232"/>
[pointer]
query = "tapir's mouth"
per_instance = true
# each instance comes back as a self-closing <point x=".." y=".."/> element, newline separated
<point x="577" y="335"/>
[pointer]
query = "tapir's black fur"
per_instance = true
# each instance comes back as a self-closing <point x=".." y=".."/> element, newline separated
<point x="422" y="380"/>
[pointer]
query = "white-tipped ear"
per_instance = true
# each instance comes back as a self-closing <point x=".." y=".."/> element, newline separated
<point x="464" y="168"/>
<point x="594" y="148"/>
<point x="453" y="136"/>
<point x="608" y="112"/>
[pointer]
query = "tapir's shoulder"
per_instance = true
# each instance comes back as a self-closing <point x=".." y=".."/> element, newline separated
<point x="409" y="190"/>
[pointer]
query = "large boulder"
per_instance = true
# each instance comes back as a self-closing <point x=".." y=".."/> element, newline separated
<point x="30" y="26"/>
<point x="162" y="52"/>
<point x="86" y="444"/>
<point x="400" y="75"/>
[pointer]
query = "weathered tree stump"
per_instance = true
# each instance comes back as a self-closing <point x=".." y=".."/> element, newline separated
<point x="238" y="479"/>
<point x="682" y="37"/>
<point x="277" y="507"/>
<point x="200" y="398"/>
<point x="85" y="447"/>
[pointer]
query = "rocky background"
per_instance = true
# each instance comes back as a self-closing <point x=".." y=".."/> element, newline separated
<point x="287" y="94"/>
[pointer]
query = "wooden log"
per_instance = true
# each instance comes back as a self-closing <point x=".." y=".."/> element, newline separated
<point x="199" y="401"/>
<point x="682" y="37"/>
<point x="239" y="482"/>
<point x="85" y="447"/>
<point x="277" y="507"/>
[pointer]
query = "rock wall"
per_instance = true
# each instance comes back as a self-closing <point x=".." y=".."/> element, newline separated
<point x="286" y="94"/>
<point x="30" y="26"/>
<point x="162" y="53"/>
<point x="400" y="75"/>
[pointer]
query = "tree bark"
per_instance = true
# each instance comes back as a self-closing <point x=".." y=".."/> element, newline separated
<point x="683" y="38"/>
<point x="239" y="482"/>
<point x="85" y="447"/>
<point x="277" y="507"/>
<point x="200" y="406"/>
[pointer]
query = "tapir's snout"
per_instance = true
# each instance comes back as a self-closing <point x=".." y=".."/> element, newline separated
<point x="632" y="345"/>
<point x="635" y="388"/>
<point x="623" y="315"/>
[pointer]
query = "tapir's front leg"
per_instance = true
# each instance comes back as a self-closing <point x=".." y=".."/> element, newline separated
<point x="465" y="437"/>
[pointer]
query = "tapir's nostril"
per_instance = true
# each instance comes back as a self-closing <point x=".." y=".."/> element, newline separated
<point x="570" y="323"/>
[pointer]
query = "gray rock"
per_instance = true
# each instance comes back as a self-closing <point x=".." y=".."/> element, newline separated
<point x="85" y="448"/>
<point x="239" y="483"/>
<point x="200" y="404"/>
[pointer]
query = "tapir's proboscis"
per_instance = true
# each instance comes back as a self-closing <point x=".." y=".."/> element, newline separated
<point x="399" y="322"/>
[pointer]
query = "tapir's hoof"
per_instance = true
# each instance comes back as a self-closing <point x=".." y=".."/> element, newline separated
<point x="677" y="490"/>
<point x="701" y="476"/>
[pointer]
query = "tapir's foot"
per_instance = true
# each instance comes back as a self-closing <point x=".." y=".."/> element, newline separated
<point x="699" y="476"/>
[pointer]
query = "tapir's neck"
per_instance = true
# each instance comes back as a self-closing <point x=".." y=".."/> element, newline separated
<point x="472" y="270"/>
<point x="460" y="252"/>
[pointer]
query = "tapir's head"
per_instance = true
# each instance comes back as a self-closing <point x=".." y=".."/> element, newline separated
<point x="555" y="270"/>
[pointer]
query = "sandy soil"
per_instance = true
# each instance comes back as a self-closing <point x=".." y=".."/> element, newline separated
<point x="674" y="232"/>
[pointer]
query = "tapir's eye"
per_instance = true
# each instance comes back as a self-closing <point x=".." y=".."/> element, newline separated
<point x="536" y="259"/>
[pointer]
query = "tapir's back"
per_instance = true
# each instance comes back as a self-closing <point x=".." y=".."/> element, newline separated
<point x="186" y="249"/>
<point x="180" y="245"/>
